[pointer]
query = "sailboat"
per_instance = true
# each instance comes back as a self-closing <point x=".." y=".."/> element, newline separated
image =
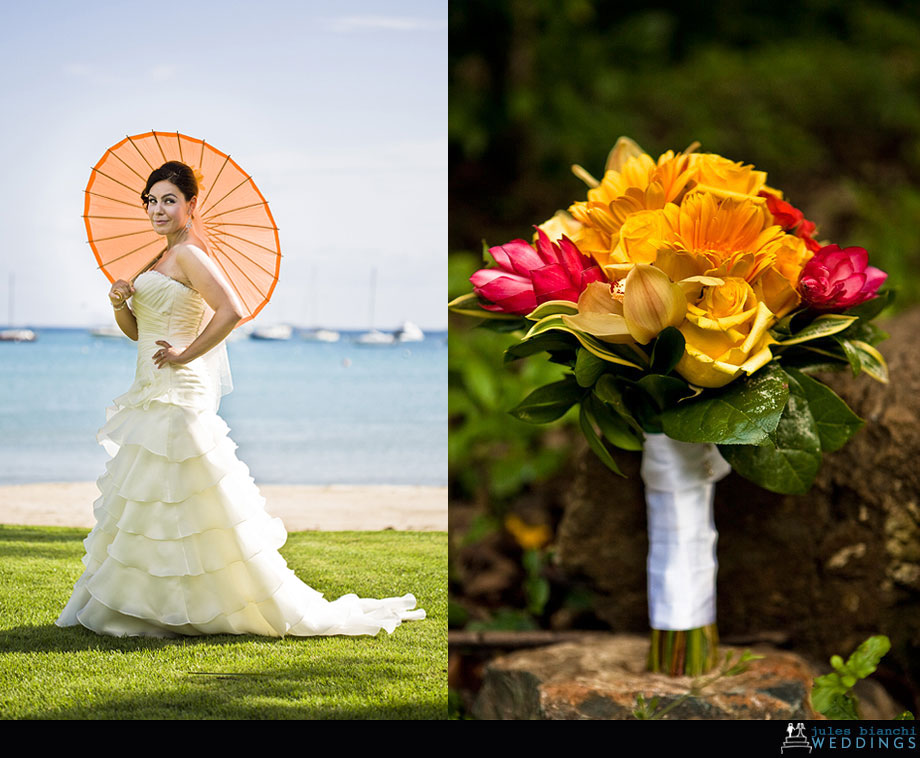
<point x="409" y="332"/>
<point x="107" y="331"/>
<point x="375" y="336"/>
<point x="15" y="335"/>
<point x="275" y="332"/>
<point x="321" y="335"/>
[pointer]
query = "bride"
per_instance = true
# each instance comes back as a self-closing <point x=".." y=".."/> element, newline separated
<point x="182" y="543"/>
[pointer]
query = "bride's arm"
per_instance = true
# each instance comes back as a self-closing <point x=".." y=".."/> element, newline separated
<point x="212" y="285"/>
<point x="118" y="297"/>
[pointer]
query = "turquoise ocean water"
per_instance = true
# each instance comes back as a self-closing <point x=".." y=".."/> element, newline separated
<point x="301" y="412"/>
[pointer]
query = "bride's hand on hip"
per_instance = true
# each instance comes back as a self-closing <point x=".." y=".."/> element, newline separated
<point x="120" y="292"/>
<point x="166" y="354"/>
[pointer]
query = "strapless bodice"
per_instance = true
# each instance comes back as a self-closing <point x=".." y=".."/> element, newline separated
<point x="166" y="309"/>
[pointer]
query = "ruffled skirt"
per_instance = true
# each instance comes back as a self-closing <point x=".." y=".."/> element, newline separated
<point x="183" y="544"/>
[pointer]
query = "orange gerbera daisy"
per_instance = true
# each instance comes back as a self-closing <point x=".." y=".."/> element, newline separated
<point x="639" y="184"/>
<point x="732" y="236"/>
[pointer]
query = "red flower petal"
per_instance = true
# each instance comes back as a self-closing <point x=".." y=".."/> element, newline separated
<point x="571" y="258"/>
<point x="592" y="274"/>
<point x="545" y="248"/>
<point x="874" y="278"/>
<point x="518" y="256"/>
<point x="522" y="303"/>
<point x="513" y="293"/>
<point x="852" y="288"/>
<point x="553" y="283"/>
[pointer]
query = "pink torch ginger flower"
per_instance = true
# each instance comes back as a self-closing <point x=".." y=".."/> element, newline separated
<point x="528" y="275"/>
<point x="835" y="279"/>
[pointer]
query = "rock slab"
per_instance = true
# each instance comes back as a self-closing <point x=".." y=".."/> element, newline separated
<point x="600" y="679"/>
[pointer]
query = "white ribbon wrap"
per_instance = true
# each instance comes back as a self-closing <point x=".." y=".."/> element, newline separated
<point x="680" y="482"/>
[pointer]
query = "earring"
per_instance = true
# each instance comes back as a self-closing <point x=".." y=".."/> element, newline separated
<point x="188" y="224"/>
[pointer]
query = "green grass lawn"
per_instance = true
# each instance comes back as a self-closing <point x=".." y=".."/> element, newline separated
<point x="51" y="673"/>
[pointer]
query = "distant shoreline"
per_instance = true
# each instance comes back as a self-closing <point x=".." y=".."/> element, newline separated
<point x="336" y="507"/>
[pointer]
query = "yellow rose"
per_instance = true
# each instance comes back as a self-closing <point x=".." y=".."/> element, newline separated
<point x="777" y="285"/>
<point x="726" y="334"/>
<point x="727" y="178"/>
<point x="639" y="239"/>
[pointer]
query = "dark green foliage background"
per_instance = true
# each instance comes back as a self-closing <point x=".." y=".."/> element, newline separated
<point x="823" y="96"/>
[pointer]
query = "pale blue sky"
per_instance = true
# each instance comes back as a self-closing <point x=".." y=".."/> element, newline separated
<point x="337" y="109"/>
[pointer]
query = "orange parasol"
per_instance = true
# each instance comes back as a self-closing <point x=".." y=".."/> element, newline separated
<point x="232" y="217"/>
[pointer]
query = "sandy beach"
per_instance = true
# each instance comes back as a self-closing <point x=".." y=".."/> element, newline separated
<point x="300" y="507"/>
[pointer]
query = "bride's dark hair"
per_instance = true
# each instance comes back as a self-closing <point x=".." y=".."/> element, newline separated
<point x="177" y="173"/>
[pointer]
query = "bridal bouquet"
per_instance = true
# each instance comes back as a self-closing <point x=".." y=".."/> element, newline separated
<point x="693" y="305"/>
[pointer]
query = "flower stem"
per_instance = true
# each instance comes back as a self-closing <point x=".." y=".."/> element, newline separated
<point x="690" y="652"/>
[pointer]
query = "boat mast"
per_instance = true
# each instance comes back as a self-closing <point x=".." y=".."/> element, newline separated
<point x="373" y="294"/>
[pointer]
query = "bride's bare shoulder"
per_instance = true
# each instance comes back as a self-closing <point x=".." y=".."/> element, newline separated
<point x="191" y="257"/>
<point x="189" y="250"/>
<point x="196" y="265"/>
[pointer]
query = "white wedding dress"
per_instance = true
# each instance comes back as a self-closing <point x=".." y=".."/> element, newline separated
<point x="182" y="543"/>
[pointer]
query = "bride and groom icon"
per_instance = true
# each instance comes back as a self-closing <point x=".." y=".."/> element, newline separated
<point x="795" y="737"/>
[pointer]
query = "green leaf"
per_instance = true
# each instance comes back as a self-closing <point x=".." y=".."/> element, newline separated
<point x="830" y="693"/>
<point x="543" y="343"/>
<point x="785" y="325"/>
<point x="745" y="412"/>
<point x="608" y="391"/>
<point x="668" y="350"/>
<point x="588" y="368"/>
<point x="871" y="360"/>
<point x="742" y="664"/>
<point x="598" y="348"/>
<point x="822" y="326"/>
<point x="613" y="426"/>
<point x="835" y="422"/>
<point x="536" y="586"/>
<point x="865" y="659"/>
<point x="505" y="326"/>
<point x="548" y="403"/>
<point x="553" y="308"/>
<point x="595" y="442"/>
<point x="788" y="461"/>
<point x="537" y="590"/>
<point x="807" y="360"/>
<point x="841" y="708"/>
<point x="865" y="331"/>
<point x="645" y="709"/>
<point x="851" y="354"/>
<point x="470" y="305"/>
<point x="666" y="391"/>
